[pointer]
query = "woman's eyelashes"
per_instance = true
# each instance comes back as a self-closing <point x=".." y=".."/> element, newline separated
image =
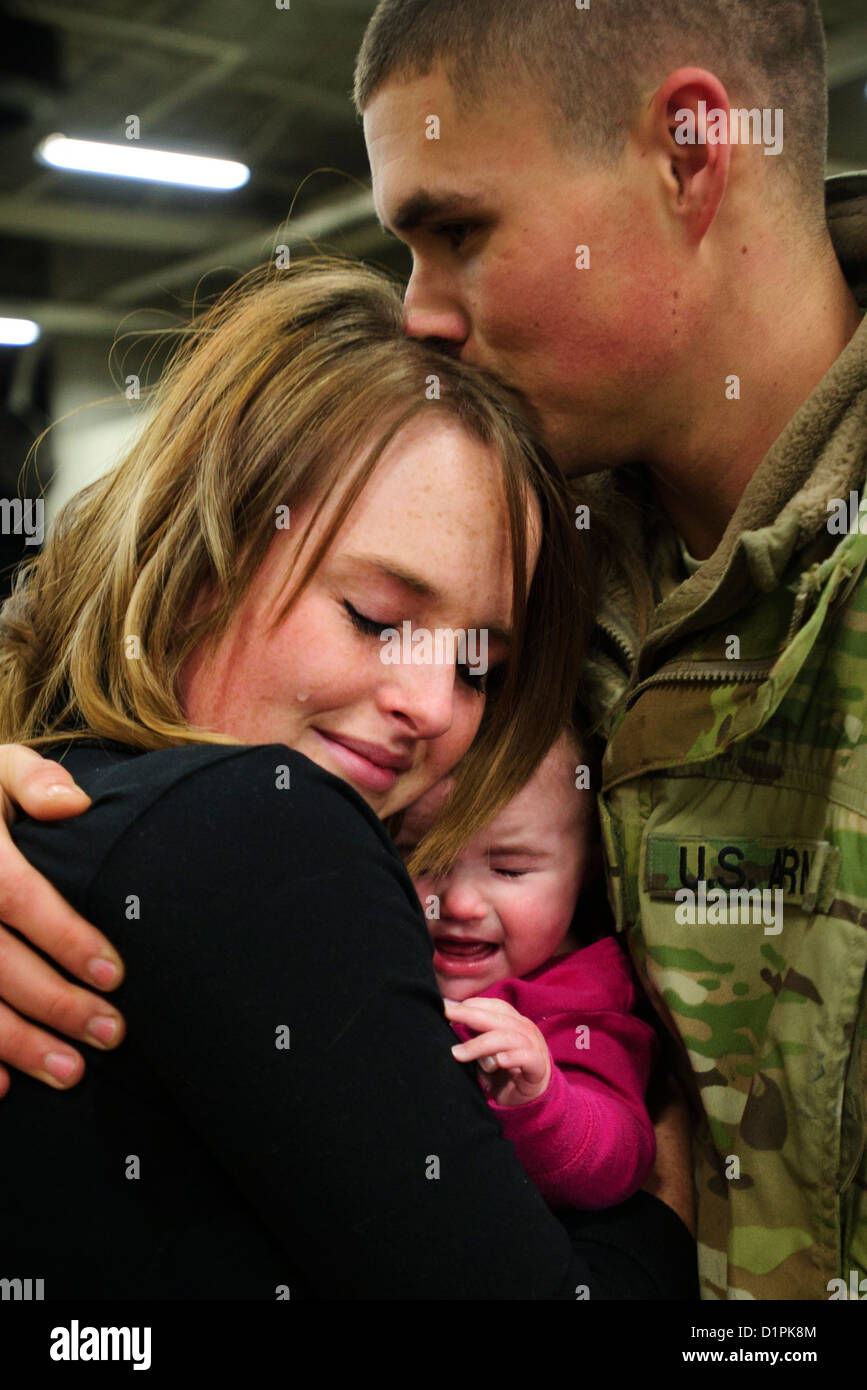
<point x="478" y="684"/>
<point x="373" y="628"/>
<point x="364" y="624"/>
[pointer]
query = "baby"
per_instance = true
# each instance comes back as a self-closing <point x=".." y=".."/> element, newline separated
<point x="563" y="1059"/>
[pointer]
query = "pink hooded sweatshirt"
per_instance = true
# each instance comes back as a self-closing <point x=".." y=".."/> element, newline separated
<point x="587" y="1141"/>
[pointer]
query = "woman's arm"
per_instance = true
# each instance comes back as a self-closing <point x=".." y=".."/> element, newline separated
<point x="29" y="987"/>
<point x="281" y="990"/>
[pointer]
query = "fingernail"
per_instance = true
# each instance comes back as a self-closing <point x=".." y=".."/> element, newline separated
<point x="103" y="1029"/>
<point x="103" y="972"/>
<point x="457" y="1049"/>
<point x="64" y="789"/>
<point x="59" y="1065"/>
<point x="488" y="1063"/>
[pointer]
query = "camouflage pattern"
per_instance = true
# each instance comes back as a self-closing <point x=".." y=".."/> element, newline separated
<point x="749" y="770"/>
<point x="771" y="771"/>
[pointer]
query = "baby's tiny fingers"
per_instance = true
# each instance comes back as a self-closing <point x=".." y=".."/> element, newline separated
<point x="484" y="1014"/>
<point x="485" y="1045"/>
<point x="480" y="1003"/>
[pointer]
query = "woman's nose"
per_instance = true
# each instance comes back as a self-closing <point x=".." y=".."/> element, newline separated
<point x="423" y="695"/>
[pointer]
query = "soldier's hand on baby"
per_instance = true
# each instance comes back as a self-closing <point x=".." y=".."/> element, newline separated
<point x="512" y="1054"/>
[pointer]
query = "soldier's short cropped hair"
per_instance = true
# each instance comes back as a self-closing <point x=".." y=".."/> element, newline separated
<point x="595" y="66"/>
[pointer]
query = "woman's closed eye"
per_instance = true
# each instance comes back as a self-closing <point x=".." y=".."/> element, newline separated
<point x="373" y="628"/>
<point x="479" y="684"/>
<point x="365" y="624"/>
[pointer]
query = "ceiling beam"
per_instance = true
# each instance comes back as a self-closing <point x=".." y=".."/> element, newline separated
<point x="111" y="30"/>
<point x="332" y="218"/>
<point x="104" y="224"/>
<point x="58" y="318"/>
<point x="68" y="319"/>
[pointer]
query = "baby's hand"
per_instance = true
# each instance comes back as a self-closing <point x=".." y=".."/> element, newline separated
<point x="510" y="1050"/>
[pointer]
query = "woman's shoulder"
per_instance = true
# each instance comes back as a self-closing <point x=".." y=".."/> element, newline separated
<point x="231" y="805"/>
<point x="110" y="770"/>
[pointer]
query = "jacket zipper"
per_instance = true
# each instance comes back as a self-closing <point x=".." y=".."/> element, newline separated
<point x="619" y="643"/>
<point x="731" y="674"/>
<point x="696" y="673"/>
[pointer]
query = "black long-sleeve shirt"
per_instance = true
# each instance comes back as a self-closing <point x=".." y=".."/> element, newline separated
<point x="285" y="1115"/>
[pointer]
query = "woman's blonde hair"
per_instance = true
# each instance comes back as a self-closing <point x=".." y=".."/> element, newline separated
<point x="265" y="404"/>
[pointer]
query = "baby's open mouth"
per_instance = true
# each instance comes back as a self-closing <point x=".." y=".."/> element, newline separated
<point x="461" y="948"/>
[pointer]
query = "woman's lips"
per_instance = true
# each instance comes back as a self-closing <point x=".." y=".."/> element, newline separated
<point x="357" y="767"/>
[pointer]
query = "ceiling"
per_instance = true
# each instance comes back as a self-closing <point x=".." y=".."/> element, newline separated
<point x="249" y="81"/>
<point x="96" y="260"/>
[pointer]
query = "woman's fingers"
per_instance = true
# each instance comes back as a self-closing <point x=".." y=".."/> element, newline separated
<point x="42" y="788"/>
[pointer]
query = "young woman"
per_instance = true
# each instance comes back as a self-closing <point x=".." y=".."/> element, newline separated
<point x="201" y="643"/>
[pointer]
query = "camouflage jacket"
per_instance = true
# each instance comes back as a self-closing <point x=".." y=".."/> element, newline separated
<point x="737" y="770"/>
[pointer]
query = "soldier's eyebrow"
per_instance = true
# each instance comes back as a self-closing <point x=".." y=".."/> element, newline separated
<point x="424" y="206"/>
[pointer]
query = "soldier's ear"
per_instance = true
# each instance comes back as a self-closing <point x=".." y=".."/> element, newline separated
<point x="673" y="132"/>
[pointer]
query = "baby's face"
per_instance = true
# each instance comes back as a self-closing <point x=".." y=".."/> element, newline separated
<point x="505" y="907"/>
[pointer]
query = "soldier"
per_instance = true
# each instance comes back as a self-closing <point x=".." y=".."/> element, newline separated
<point x="682" y="311"/>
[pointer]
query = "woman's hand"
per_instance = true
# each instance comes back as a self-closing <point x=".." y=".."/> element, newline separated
<point x="509" y="1048"/>
<point x="29" y="903"/>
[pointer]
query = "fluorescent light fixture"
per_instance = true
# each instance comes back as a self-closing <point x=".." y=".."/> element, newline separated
<point x="132" y="162"/>
<point x="18" y="332"/>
